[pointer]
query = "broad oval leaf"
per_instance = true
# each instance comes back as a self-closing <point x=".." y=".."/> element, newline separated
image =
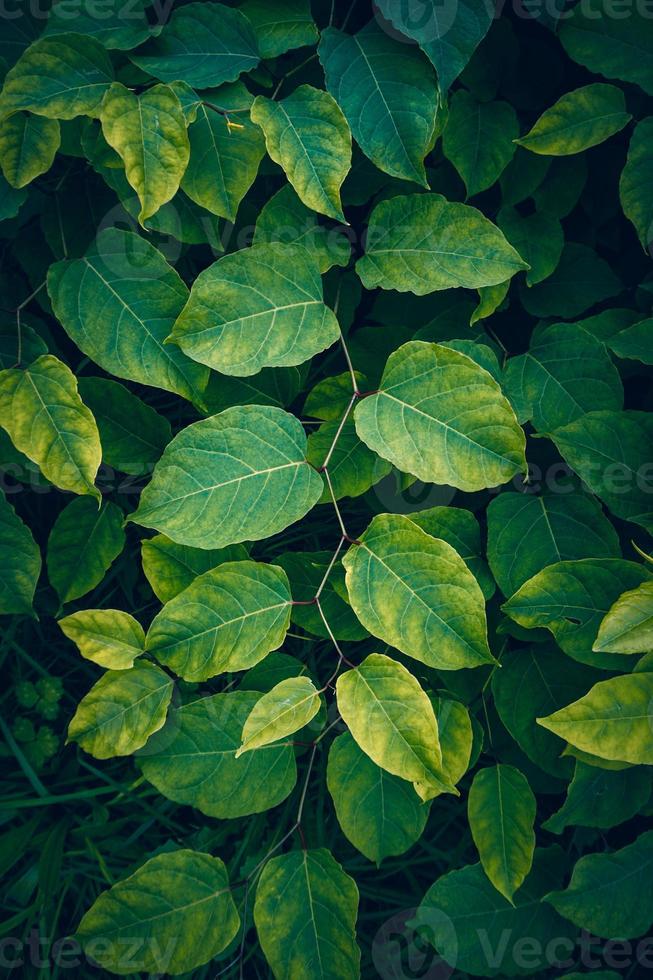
<point x="580" y="119"/>
<point x="28" y="145"/>
<point x="501" y="811"/>
<point x="21" y="562"/>
<point x="109" y="637"/>
<point x="614" y="720"/>
<point x="238" y="476"/>
<point x="628" y="625"/>
<point x="83" y="542"/>
<point x="227" y="619"/>
<point x="415" y="592"/>
<point x="170" y="568"/>
<point x="118" y="304"/>
<point x="193" y="760"/>
<point x="479" y="139"/>
<point x="635" y="181"/>
<point x="392" y="720"/>
<point x="259" y="307"/>
<point x="291" y="704"/>
<point x="441" y="417"/>
<point x="422" y="243"/>
<point x="203" y="44"/>
<point x="121" y="711"/>
<point x="388" y="93"/>
<point x="174" y="913"/>
<point x="308" y="136"/>
<point x="305" y="916"/>
<point x="46" y="419"/>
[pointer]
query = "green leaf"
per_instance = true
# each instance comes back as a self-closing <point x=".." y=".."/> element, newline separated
<point x="121" y="711"/>
<point x="193" y="761"/>
<point x="441" y="417"/>
<point x="422" y="243"/>
<point x="581" y="278"/>
<point x="108" y="637"/>
<point x="148" y="131"/>
<point x="132" y="434"/>
<point x="612" y="721"/>
<point x="285" y="219"/>
<point x="174" y="914"/>
<point x="60" y="77"/>
<point x="83" y="542"/>
<point x="463" y="905"/>
<point x="490" y="299"/>
<point x="610" y="894"/>
<point x="415" y="592"/>
<point x="46" y="419"/>
<point x="280" y="25"/>
<point x="203" y="44"/>
<point x="616" y="47"/>
<point x="116" y="25"/>
<point x="565" y="374"/>
<point x="393" y="722"/>
<point x="380" y="814"/>
<point x="225" y="152"/>
<point x="635" y="342"/>
<point x="353" y="468"/>
<point x="170" y="568"/>
<point x="305" y="916"/>
<point x="479" y="139"/>
<point x="501" y="812"/>
<point x="21" y="562"/>
<point x="388" y="93"/>
<point x="308" y="136"/>
<point x="241" y="475"/>
<point x="635" y="182"/>
<point x="601" y="798"/>
<point x="460" y="529"/>
<point x="628" y="625"/>
<point x="285" y="709"/>
<point x="570" y="598"/>
<point x="259" y="307"/>
<point x="448" y="36"/>
<point x="608" y="451"/>
<point x="527" y="532"/>
<point x="28" y="145"/>
<point x="538" y="238"/>
<point x="306" y="571"/>
<point x="11" y="200"/>
<point x="227" y="619"/>
<point x="118" y="304"/>
<point x="579" y="119"/>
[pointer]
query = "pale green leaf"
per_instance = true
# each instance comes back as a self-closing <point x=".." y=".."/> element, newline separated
<point x="490" y="299"/>
<point x="635" y="181"/>
<point x="308" y="136"/>
<point x="121" y="711"/>
<point x="442" y="418"/>
<point x="238" y="476"/>
<point x="170" y="568"/>
<point x="46" y="419"/>
<point x="628" y="625"/>
<point x="108" y="637"/>
<point x="578" y="120"/>
<point x="479" y="139"/>
<point x="415" y="592"/>
<point x="28" y="145"/>
<point x="286" y="219"/>
<point x="174" y="913"/>
<point x="285" y="709"/>
<point x="227" y="619"/>
<point x="83" y="542"/>
<point x="21" y="562"/>
<point x="259" y="307"/>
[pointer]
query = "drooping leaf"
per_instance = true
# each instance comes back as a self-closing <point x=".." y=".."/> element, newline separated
<point x="627" y="627"/>
<point x="501" y="811"/>
<point x="442" y="418"/>
<point x="308" y="136"/>
<point x="203" y="44"/>
<point x="578" y="120"/>
<point x="148" y="131"/>
<point x="259" y="307"/>
<point x="118" y="304"/>
<point x="479" y="139"/>
<point x="601" y="798"/>
<point x="227" y="619"/>
<point x="46" y="419"/>
<point x="174" y="913"/>
<point x="613" y="720"/>
<point x="21" y="562"/>
<point x="109" y="637"/>
<point x="121" y="711"/>
<point x="388" y="93"/>
<point x="28" y="145"/>
<point x="170" y="568"/>
<point x="392" y="720"/>
<point x="528" y="532"/>
<point x="83" y="542"/>
<point x="635" y="182"/>
<point x="193" y="760"/>
<point x="422" y="243"/>
<point x="285" y="709"/>
<point x="280" y="26"/>
<point x="415" y="592"/>
<point x="286" y="219"/>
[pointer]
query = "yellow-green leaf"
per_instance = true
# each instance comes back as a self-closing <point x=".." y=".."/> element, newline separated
<point x="109" y="637"/>
<point x="28" y="145"/>
<point x="290" y="705"/>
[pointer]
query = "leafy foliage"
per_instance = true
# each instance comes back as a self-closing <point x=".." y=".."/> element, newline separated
<point x="326" y="508"/>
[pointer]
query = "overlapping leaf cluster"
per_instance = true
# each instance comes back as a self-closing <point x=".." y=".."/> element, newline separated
<point x="335" y="322"/>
